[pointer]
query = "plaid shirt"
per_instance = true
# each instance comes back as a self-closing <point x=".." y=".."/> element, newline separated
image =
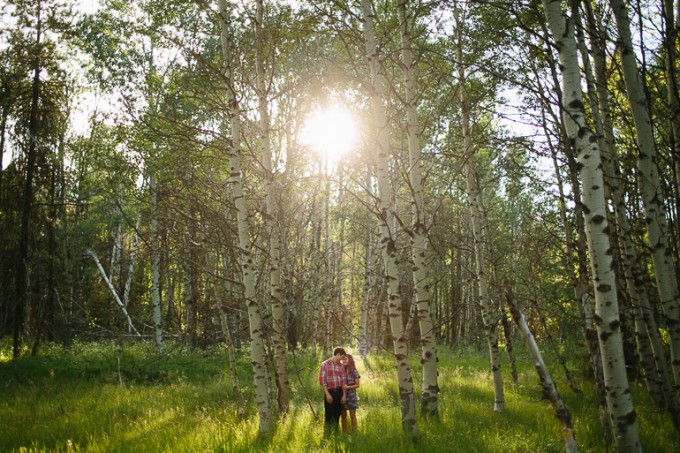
<point x="332" y="374"/>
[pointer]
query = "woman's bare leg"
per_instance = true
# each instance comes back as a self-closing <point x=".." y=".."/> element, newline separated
<point x="343" y="421"/>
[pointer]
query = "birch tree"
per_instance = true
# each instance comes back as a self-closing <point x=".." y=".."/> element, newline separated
<point x="489" y="315"/>
<point x="650" y="187"/>
<point x="364" y="309"/>
<point x="109" y="285"/>
<point x="155" y="266"/>
<point x="576" y="242"/>
<point x="418" y="233"/>
<point x="650" y="347"/>
<point x="607" y="319"/>
<point x="271" y="220"/>
<point x="385" y="216"/>
<point x="257" y="350"/>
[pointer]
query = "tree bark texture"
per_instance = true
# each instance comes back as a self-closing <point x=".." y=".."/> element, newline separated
<point x="430" y="389"/>
<point x="607" y="319"/>
<point x="385" y="220"/>
<point x="257" y="350"/>
<point x="272" y="221"/>
<point x="650" y="188"/>
<point x="155" y="267"/>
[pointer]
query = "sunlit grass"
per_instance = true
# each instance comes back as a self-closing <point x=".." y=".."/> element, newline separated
<point x="99" y="397"/>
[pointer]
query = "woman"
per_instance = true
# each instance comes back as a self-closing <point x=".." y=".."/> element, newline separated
<point x="351" y="398"/>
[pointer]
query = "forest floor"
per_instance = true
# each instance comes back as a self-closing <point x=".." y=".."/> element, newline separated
<point x="107" y="397"/>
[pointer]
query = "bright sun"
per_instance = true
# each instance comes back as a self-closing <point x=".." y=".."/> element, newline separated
<point x="331" y="132"/>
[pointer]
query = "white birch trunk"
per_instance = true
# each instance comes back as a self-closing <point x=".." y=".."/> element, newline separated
<point x="549" y="388"/>
<point x="650" y="187"/>
<point x="430" y="389"/>
<point x="604" y="281"/>
<point x="339" y="255"/>
<point x="328" y="254"/>
<point x="116" y="255"/>
<point x="385" y="219"/>
<point x="155" y="267"/>
<point x="271" y="220"/>
<point x="316" y="298"/>
<point x="650" y="349"/>
<point x="578" y="275"/>
<point x="113" y="290"/>
<point x="257" y="350"/>
<point x="489" y="315"/>
<point x="366" y="294"/>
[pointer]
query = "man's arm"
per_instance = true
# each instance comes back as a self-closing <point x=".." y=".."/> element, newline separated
<point x="323" y="380"/>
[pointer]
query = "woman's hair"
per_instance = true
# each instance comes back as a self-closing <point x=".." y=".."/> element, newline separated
<point x="351" y="366"/>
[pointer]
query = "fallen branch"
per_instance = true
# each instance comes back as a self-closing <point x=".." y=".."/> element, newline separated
<point x="547" y="383"/>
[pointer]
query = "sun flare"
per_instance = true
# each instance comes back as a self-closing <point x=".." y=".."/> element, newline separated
<point x="332" y="132"/>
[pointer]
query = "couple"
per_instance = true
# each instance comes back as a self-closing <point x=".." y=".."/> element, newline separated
<point x="339" y="379"/>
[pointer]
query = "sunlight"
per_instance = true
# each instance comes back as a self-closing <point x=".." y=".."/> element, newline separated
<point x="331" y="132"/>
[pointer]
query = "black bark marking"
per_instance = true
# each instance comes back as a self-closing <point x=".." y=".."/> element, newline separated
<point x="603" y="288"/>
<point x="576" y="104"/>
<point x="598" y="219"/>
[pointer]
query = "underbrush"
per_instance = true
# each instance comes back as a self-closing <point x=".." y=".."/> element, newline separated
<point x="108" y="397"/>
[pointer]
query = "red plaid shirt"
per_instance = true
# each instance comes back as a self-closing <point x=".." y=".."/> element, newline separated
<point x="332" y="374"/>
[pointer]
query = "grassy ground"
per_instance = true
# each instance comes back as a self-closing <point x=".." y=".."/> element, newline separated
<point x="106" y="398"/>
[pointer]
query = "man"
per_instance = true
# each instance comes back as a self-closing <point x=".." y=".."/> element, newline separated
<point x="332" y="377"/>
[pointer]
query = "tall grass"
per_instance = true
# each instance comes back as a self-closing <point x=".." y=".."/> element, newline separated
<point x="102" y="397"/>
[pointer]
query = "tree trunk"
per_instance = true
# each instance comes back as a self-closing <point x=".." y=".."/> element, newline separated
<point x="116" y="252"/>
<point x="671" y="28"/>
<point x="604" y="281"/>
<point x="549" y="388"/>
<point x="316" y="297"/>
<point x="650" y="187"/>
<point x="189" y="290"/>
<point x="272" y="223"/>
<point x="650" y="349"/>
<point x="257" y="350"/>
<point x="366" y="292"/>
<point x="490" y="316"/>
<point x="385" y="220"/>
<point x="133" y="259"/>
<point x="430" y="389"/>
<point x="576" y="244"/>
<point x="155" y="267"/>
<point x="27" y="198"/>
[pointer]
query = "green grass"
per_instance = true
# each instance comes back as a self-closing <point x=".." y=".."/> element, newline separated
<point x="99" y="397"/>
